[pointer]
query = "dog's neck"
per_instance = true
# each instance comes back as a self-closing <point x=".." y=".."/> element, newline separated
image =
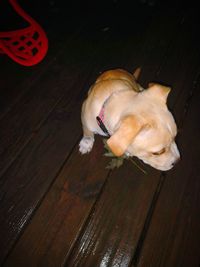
<point x="104" y="113"/>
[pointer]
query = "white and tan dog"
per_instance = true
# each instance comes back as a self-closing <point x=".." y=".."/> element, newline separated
<point x="137" y="121"/>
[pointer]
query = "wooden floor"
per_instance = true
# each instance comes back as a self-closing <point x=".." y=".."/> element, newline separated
<point x="58" y="208"/>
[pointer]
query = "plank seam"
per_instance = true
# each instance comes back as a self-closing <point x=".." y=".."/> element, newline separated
<point x="147" y="221"/>
<point x="86" y="222"/>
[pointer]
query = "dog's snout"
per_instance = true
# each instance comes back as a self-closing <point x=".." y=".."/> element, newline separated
<point x="176" y="161"/>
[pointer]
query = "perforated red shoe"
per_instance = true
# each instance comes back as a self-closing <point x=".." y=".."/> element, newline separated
<point x="26" y="46"/>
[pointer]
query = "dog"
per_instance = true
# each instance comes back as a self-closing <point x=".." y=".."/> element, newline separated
<point x="136" y="120"/>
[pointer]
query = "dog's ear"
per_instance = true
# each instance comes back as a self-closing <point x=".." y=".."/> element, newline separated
<point x="159" y="91"/>
<point x="122" y="138"/>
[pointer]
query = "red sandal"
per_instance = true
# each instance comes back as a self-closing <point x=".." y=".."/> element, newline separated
<point x="26" y="46"/>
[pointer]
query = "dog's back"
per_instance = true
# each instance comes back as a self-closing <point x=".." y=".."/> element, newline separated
<point x="119" y="74"/>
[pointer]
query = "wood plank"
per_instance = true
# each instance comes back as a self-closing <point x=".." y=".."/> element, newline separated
<point x="12" y="77"/>
<point x="156" y="46"/>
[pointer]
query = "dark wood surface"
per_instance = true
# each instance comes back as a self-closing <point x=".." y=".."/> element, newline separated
<point x="58" y="208"/>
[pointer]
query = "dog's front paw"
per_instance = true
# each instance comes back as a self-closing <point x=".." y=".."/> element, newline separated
<point x="86" y="144"/>
<point x="128" y="154"/>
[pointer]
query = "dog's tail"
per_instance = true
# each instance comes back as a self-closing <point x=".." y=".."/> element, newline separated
<point x="136" y="73"/>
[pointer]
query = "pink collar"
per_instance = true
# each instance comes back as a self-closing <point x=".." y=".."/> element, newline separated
<point x="100" y="118"/>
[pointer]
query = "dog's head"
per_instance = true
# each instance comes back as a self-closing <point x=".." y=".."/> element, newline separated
<point x="149" y="132"/>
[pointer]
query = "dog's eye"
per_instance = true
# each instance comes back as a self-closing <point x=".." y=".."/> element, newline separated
<point x="159" y="152"/>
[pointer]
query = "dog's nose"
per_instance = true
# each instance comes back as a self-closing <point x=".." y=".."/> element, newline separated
<point x="176" y="161"/>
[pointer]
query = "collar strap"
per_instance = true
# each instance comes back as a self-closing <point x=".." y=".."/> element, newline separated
<point x="100" y="118"/>
<point x="102" y="126"/>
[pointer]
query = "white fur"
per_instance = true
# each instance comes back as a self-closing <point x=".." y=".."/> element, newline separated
<point x="86" y="144"/>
